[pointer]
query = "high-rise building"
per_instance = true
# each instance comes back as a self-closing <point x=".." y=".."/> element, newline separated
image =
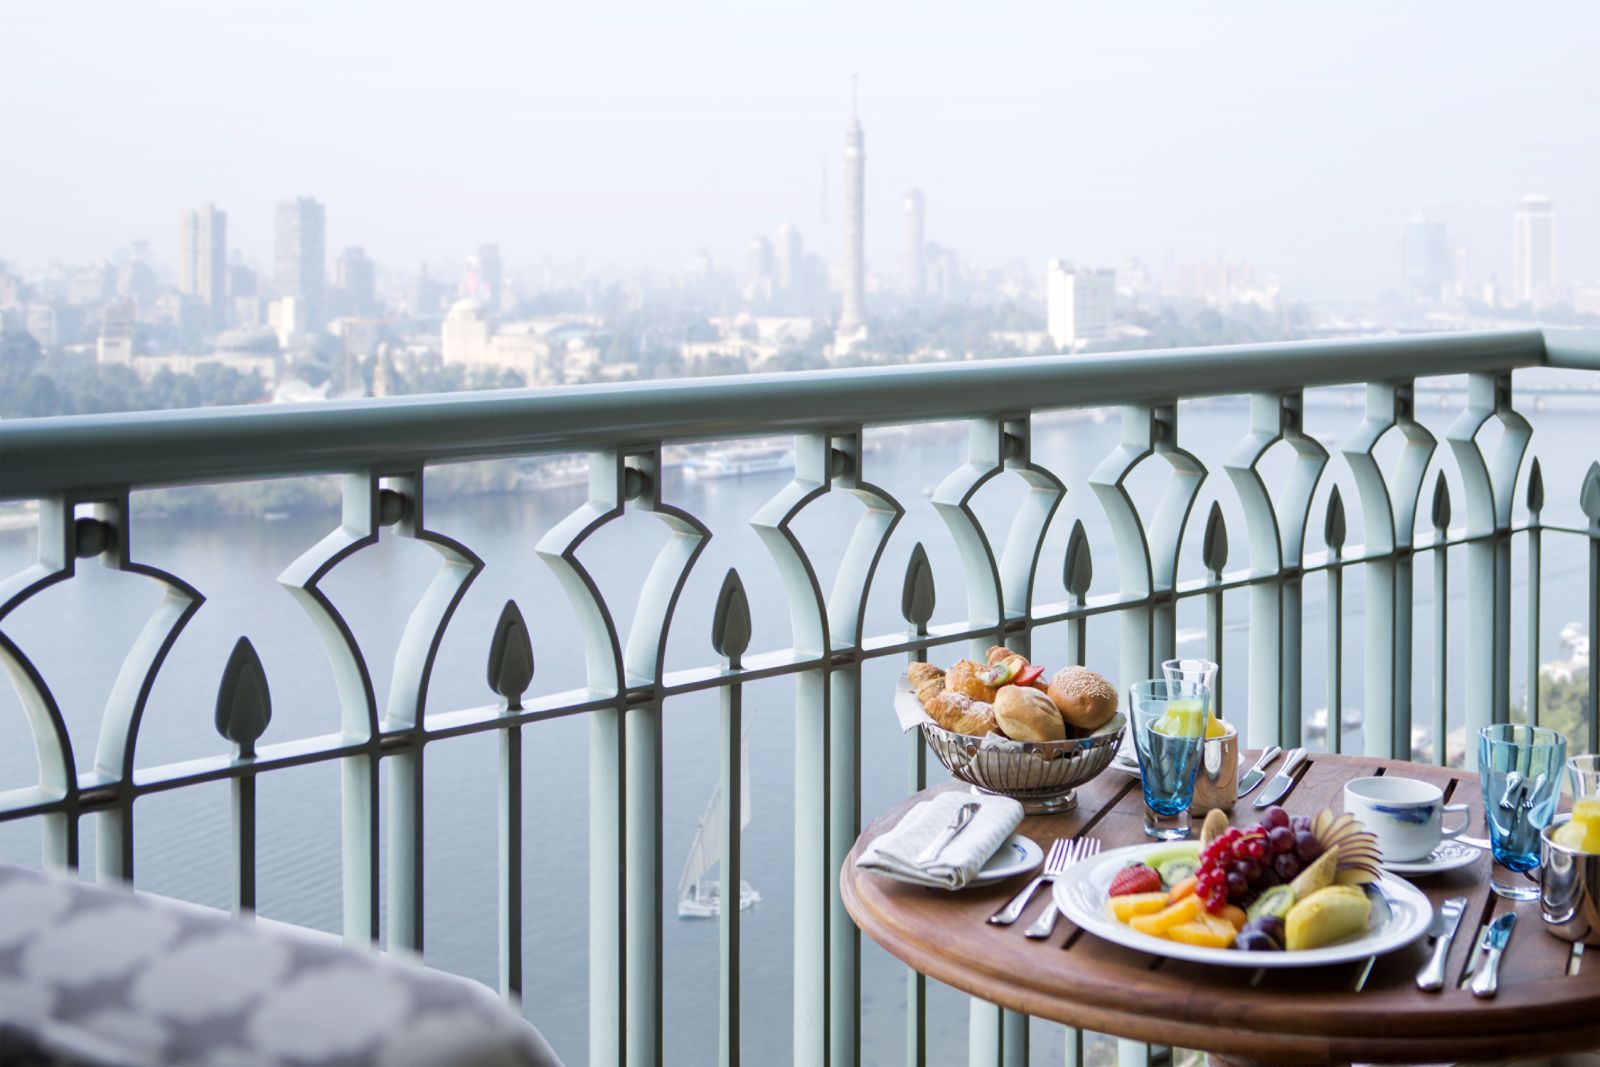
<point x="203" y="260"/>
<point x="355" y="273"/>
<point x="301" y="254"/>
<point x="855" y="166"/>
<point x="1533" y="274"/>
<point x="489" y="290"/>
<point x="789" y="258"/>
<point x="1427" y="261"/>
<point x="913" y="257"/>
<point x="758" y="269"/>
<point x="1081" y="304"/>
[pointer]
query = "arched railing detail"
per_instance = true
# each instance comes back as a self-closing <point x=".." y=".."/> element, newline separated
<point x="1276" y="524"/>
<point x="1490" y="487"/>
<point x="1389" y="510"/>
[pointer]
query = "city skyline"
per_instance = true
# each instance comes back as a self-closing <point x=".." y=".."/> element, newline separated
<point x="1292" y="139"/>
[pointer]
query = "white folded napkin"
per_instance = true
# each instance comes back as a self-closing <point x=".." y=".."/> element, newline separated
<point x="895" y="852"/>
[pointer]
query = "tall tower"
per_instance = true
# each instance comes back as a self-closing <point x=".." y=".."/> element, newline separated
<point x="914" y="264"/>
<point x="203" y="260"/>
<point x="855" y="166"/>
<point x="1533" y="274"/>
<point x="301" y="254"/>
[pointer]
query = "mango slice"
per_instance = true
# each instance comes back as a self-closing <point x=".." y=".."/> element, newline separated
<point x="1129" y="905"/>
<point x="1172" y="915"/>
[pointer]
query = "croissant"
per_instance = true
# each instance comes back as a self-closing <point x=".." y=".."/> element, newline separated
<point x="927" y="681"/>
<point x="961" y="714"/>
<point x="966" y="678"/>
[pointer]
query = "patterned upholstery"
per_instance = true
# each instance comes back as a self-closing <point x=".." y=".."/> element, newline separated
<point x="91" y="976"/>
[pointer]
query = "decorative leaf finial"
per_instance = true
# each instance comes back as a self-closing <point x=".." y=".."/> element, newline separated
<point x="1535" y="489"/>
<point x="1078" y="570"/>
<point x="1589" y="499"/>
<point x="510" y="657"/>
<point x="1214" y="545"/>
<point x="244" y="704"/>
<point x="916" y="596"/>
<point x="1333" y="527"/>
<point x="1441" y="505"/>
<point x="730" y="625"/>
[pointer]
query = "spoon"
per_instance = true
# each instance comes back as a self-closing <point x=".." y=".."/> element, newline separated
<point x="963" y="816"/>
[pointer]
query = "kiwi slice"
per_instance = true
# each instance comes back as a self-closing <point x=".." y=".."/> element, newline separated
<point x="1176" y="870"/>
<point x="1275" y="901"/>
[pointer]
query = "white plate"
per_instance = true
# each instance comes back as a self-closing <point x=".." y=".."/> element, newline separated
<point x="1017" y="855"/>
<point x="1127" y="760"/>
<point x="1081" y="895"/>
<point x="1449" y="856"/>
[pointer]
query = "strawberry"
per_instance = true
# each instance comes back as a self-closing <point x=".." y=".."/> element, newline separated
<point x="1135" y="878"/>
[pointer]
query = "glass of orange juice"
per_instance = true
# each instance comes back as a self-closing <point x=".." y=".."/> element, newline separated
<point x="1201" y="672"/>
<point x="1582" y="831"/>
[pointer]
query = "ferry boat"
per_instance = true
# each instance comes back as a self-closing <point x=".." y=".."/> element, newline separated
<point x="739" y="460"/>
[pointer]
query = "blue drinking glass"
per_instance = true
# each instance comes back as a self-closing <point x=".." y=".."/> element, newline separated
<point x="1169" y="733"/>
<point x="1519" y="770"/>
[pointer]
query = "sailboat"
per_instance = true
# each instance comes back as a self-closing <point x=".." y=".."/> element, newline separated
<point x="700" y="897"/>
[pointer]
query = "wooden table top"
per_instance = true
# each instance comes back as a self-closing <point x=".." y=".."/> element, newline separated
<point x="1312" y="1015"/>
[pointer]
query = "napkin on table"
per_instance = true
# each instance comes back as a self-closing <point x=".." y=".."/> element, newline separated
<point x="894" y="853"/>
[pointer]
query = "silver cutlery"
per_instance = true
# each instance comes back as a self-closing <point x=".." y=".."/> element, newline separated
<point x="1055" y="861"/>
<point x="1443" y="931"/>
<point x="1258" y="771"/>
<point x="1283" y="781"/>
<point x="1486" y="982"/>
<point x="963" y="816"/>
<point x="1082" y="848"/>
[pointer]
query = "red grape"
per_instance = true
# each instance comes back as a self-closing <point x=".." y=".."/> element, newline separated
<point x="1306" y="846"/>
<point x="1287" y="865"/>
<point x="1274" y="817"/>
<point x="1281" y="838"/>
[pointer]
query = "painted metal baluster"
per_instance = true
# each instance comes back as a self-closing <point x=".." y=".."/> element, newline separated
<point x="730" y="637"/>
<point x="510" y="672"/>
<point x="1441" y="621"/>
<point x="358" y="705"/>
<point x="1333" y="534"/>
<point x="1535" y="501"/>
<point x="1147" y="561"/>
<point x="1490" y="490"/>
<point x="808" y="622"/>
<point x="999" y="593"/>
<point x="1389" y="509"/>
<point x="1276" y="524"/>
<point x="608" y="919"/>
<point x="58" y="545"/>
<point x="916" y="607"/>
<point x="107" y="535"/>
<point x="643" y="660"/>
<point x="400" y="504"/>
<point x="244" y="709"/>
<point x="828" y="740"/>
<point x="1589" y="501"/>
<point x="1214" y="554"/>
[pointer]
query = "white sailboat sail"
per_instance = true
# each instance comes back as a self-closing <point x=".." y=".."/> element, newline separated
<point x="698" y="896"/>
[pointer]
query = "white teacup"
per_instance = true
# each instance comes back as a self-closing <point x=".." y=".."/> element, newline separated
<point x="1404" y="814"/>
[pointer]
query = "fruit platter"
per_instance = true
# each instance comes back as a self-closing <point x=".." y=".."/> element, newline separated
<point x="1292" y="891"/>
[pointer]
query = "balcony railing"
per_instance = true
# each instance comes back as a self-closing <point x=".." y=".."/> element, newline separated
<point x="82" y="471"/>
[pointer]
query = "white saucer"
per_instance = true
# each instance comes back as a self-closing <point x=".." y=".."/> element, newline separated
<point x="1449" y="856"/>
<point x="1018" y="855"/>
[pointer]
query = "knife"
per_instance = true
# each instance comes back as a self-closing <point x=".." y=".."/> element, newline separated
<point x="1487" y="981"/>
<point x="1256" y="773"/>
<point x="1283" y="781"/>
<point x="1443" y="930"/>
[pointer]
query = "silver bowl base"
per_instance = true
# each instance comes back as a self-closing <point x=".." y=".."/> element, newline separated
<point x="1038" y="805"/>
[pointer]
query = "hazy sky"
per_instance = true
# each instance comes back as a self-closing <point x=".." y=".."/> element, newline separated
<point x="1295" y="135"/>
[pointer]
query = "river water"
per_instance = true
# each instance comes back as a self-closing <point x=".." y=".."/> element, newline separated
<point x="78" y="631"/>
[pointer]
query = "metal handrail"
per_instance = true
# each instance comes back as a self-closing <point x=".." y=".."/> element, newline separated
<point x="91" y="453"/>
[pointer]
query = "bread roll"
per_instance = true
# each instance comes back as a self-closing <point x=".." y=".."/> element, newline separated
<point x="960" y="714"/>
<point x="927" y="681"/>
<point x="1084" y="698"/>
<point x="964" y="678"/>
<point x="1025" y="714"/>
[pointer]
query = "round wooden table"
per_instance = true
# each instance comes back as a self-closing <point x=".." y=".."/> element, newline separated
<point x="1365" y="1012"/>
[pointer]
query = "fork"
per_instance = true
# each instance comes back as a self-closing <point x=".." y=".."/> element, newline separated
<point x="1081" y="849"/>
<point x="1054" y="861"/>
